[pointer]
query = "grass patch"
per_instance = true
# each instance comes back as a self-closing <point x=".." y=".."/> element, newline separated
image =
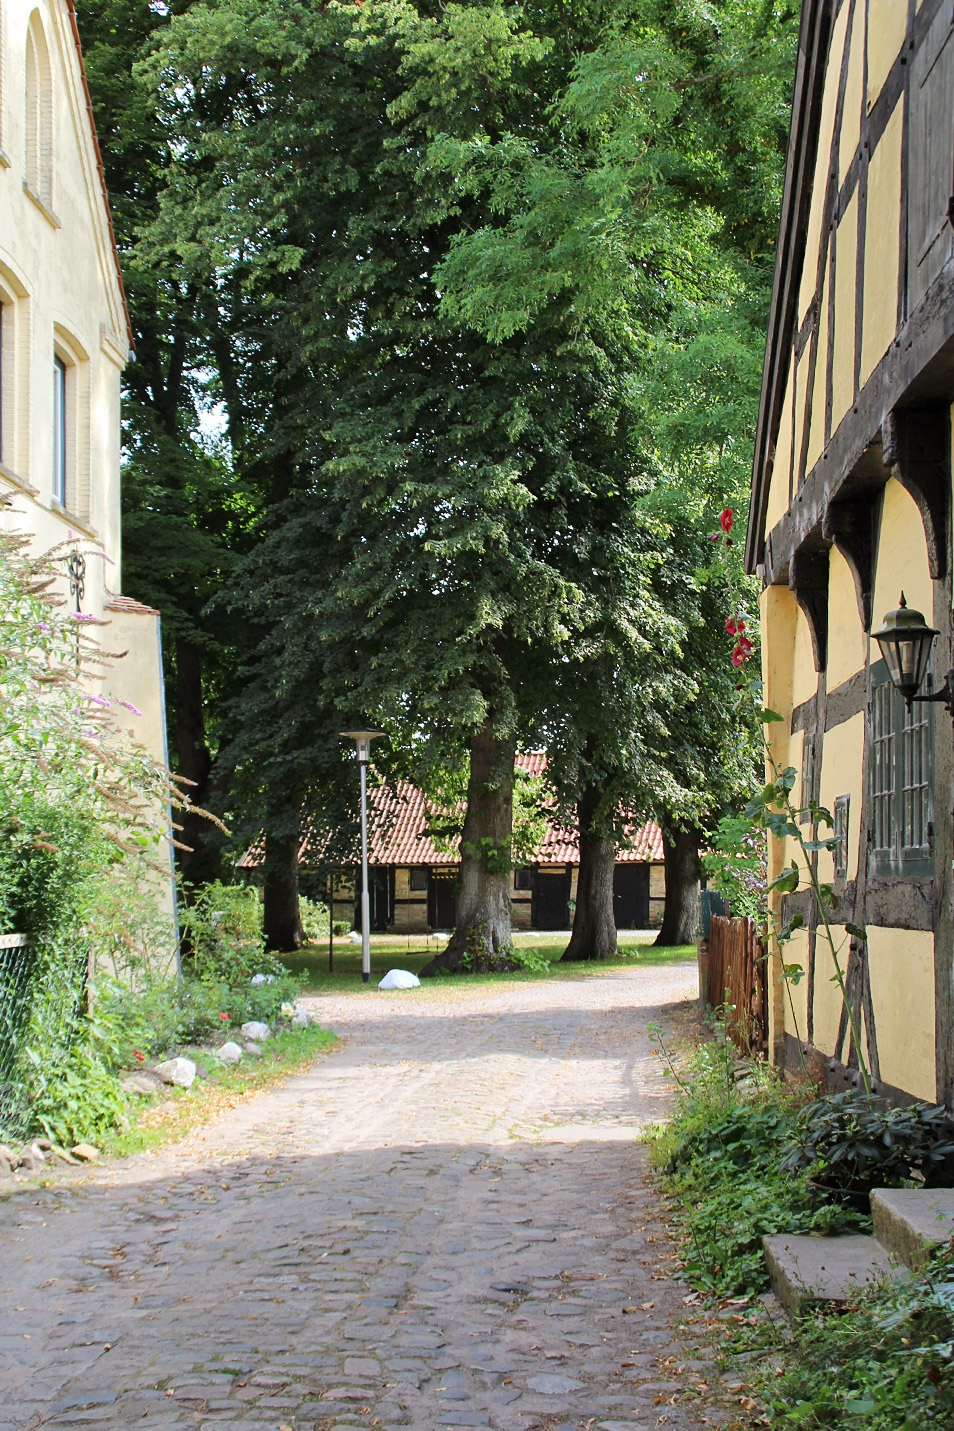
<point x="412" y="952"/>
<point x="887" y="1363"/>
<point x="170" y="1116"/>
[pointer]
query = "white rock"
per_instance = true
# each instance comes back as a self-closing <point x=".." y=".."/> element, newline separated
<point x="144" y="1082"/>
<point x="257" y="1032"/>
<point x="252" y="1048"/>
<point x="229" y="1053"/>
<point x="399" y="979"/>
<point x="300" y="1018"/>
<point x="354" y="937"/>
<point x="180" y="1071"/>
<point x="86" y="1152"/>
<point x="262" y="978"/>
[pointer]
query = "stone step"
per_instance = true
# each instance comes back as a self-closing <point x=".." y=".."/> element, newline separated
<point x="910" y="1222"/>
<point x="806" y="1271"/>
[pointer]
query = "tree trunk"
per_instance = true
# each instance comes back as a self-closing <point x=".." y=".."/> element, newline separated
<point x="683" y="871"/>
<point x="202" y="861"/>
<point x="483" y="937"/>
<point x="282" y="918"/>
<point x="594" y="928"/>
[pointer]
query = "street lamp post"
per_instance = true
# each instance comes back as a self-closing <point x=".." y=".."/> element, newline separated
<point x="363" y="739"/>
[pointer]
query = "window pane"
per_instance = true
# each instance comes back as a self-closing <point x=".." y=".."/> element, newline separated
<point x="59" y="430"/>
<point x="882" y="767"/>
<point x="915" y="777"/>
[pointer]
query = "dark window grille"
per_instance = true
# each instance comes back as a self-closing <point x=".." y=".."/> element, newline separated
<point x="900" y="781"/>
<point x="417" y="878"/>
<point x="840" y="834"/>
<point x="59" y="430"/>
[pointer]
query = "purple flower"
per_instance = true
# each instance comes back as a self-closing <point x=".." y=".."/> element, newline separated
<point x="98" y="701"/>
<point x="83" y="616"/>
<point x="130" y="707"/>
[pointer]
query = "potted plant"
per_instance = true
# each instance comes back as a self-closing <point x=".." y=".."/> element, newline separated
<point x="849" y="1143"/>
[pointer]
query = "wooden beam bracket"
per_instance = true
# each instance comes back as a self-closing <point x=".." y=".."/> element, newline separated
<point x="915" y="444"/>
<point x="850" y="526"/>
<point x="808" y="580"/>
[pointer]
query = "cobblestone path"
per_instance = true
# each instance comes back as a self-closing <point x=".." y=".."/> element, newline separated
<point x="444" y="1223"/>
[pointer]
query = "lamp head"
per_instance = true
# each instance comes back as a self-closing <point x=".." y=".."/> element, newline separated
<point x="906" y="639"/>
<point x="362" y="739"/>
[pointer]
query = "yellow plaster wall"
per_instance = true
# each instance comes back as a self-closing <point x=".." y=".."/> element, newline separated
<point x="795" y="996"/>
<point x="804" y="675"/>
<point x="816" y="435"/>
<point x="778" y="499"/>
<point x="801" y="393"/>
<point x="887" y="25"/>
<point x="882" y="246"/>
<point x="826" y="131"/>
<point x="828" y="1002"/>
<point x="847" y="643"/>
<point x="850" y="135"/>
<point x="902" y="556"/>
<point x="843" y="357"/>
<point x="841" y="774"/>
<point x="901" y="964"/>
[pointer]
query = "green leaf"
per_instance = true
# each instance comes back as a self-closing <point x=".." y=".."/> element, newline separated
<point x="857" y="932"/>
<point x="768" y="717"/>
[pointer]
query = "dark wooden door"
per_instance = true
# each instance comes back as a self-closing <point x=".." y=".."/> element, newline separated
<point x="380" y="899"/>
<point x="442" y="901"/>
<point x="631" y="896"/>
<point x="550" y="908"/>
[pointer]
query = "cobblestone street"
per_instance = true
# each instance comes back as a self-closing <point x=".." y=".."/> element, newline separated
<point x="443" y="1223"/>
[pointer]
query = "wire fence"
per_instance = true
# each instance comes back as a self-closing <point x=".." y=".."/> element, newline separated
<point x="40" y="998"/>
<point x="17" y="961"/>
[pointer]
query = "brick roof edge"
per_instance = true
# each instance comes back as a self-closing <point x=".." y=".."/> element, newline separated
<point x="130" y="605"/>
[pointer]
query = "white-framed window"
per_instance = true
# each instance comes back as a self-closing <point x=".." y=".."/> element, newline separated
<point x="61" y="415"/>
<point x="69" y="427"/>
<point x="13" y="374"/>
<point x="38" y="79"/>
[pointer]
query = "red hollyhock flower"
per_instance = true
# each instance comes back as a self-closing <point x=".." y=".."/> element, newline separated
<point x="139" y="1057"/>
<point x="225" y="1016"/>
<point x="725" y="520"/>
<point x="734" y="626"/>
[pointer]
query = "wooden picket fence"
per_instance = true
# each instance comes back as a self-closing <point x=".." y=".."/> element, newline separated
<point x="736" y="980"/>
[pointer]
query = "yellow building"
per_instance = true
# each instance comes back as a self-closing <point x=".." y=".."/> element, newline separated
<point x="851" y="504"/>
<point x="64" y="341"/>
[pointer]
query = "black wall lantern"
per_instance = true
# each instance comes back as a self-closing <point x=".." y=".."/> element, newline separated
<point x="906" y="639"/>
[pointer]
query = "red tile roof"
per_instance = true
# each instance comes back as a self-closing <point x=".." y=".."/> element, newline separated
<point x="398" y="817"/>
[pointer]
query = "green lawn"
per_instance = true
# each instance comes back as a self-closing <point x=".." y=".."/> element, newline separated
<point x="413" y="951"/>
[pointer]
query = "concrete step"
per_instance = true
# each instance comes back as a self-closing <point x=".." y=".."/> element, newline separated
<point x="808" y="1271"/>
<point x="910" y="1222"/>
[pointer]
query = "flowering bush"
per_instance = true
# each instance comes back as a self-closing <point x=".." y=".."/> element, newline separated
<point x="83" y="812"/>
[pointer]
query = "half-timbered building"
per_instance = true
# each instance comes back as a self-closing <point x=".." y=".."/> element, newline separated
<point x="850" y="506"/>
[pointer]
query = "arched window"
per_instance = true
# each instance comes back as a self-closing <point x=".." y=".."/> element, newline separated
<point x="39" y="114"/>
<point x="70" y="436"/>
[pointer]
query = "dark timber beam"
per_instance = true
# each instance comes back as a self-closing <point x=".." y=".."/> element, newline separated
<point x="808" y="579"/>
<point x="850" y="525"/>
<point x="915" y="443"/>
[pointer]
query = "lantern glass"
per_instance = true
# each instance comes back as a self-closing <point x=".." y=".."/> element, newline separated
<point x="905" y="640"/>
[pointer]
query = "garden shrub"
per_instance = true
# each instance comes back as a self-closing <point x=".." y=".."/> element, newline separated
<point x="222" y="926"/>
<point x="314" y="919"/>
<point x="83" y="814"/>
<point x="720" y="1155"/>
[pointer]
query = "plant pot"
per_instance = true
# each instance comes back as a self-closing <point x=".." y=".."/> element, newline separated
<point x="858" y="1199"/>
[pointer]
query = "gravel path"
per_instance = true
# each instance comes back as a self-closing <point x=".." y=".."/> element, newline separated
<point x="443" y="1223"/>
